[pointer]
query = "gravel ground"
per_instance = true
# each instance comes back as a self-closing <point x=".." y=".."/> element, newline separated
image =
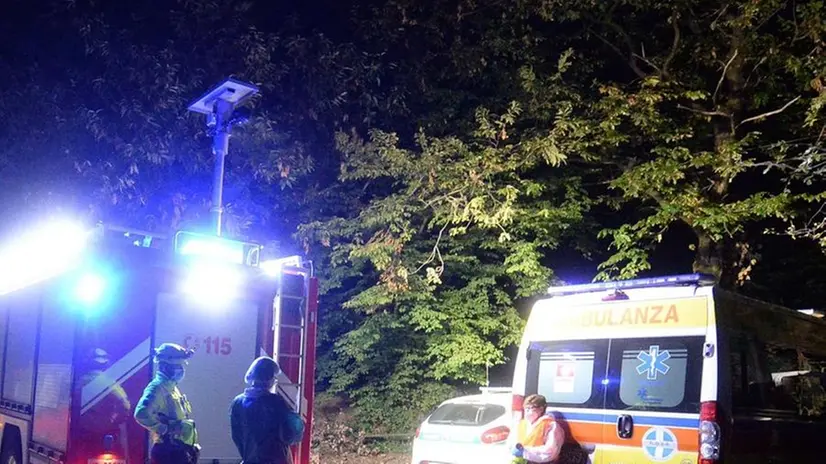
<point x="391" y="458"/>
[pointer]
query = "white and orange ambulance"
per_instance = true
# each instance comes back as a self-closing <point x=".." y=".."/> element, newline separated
<point x="675" y="370"/>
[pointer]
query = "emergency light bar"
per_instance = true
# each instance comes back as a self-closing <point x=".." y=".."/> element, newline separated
<point x="217" y="248"/>
<point x="650" y="282"/>
<point x="273" y="267"/>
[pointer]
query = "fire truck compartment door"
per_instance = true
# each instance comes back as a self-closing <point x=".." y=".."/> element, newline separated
<point x="225" y="341"/>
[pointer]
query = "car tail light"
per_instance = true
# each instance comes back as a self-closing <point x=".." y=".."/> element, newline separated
<point x="496" y="435"/>
<point x="517" y="406"/>
<point x="709" y="433"/>
<point x="418" y="429"/>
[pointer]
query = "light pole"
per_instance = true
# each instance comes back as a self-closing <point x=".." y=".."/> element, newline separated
<point x="220" y="105"/>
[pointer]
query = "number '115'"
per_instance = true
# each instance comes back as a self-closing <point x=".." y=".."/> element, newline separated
<point x="218" y="345"/>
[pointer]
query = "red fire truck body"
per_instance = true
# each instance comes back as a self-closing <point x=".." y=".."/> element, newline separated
<point x="76" y="348"/>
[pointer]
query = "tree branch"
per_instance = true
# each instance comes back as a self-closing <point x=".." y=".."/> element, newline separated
<point x="630" y="60"/>
<point x="628" y="44"/>
<point x="675" y="24"/>
<point x="770" y="113"/>
<point x="648" y="62"/>
<point x="435" y="253"/>
<point x="723" y="75"/>
<point x="704" y="112"/>
<point x="628" y="57"/>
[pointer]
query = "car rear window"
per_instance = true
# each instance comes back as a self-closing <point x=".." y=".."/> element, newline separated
<point x="470" y="414"/>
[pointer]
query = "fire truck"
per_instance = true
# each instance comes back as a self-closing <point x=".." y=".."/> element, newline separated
<point x="82" y="310"/>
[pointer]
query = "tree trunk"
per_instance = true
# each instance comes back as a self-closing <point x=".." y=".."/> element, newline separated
<point x="711" y="255"/>
<point x="708" y="259"/>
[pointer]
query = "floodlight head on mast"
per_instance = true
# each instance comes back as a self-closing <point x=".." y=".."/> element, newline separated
<point x="219" y="105"/>
<point x="231" y="91"/>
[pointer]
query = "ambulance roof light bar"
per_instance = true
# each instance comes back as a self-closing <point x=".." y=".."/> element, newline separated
<point x="649" y="282"/>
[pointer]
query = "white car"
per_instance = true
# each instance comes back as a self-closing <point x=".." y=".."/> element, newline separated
<point x="468" y="429"/>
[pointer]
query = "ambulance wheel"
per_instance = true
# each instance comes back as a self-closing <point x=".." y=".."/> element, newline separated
<point x="12" y="451"/>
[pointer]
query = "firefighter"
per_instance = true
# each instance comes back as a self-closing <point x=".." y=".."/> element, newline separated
<point x="166" y="413"/>
<point x="262" y="425"/>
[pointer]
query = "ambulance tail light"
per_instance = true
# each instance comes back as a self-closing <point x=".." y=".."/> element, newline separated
<point x="709" y="433"/>
<point x="517" y="407"/>
<point x="496" y="435"/>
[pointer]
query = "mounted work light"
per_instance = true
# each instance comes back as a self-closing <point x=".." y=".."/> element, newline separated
<point x="43" y="252"/>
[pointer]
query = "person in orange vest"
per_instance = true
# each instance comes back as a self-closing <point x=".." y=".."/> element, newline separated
<point x="539" y="438"/>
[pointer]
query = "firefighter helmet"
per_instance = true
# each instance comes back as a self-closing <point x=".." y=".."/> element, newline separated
<point x="172" y="353"/>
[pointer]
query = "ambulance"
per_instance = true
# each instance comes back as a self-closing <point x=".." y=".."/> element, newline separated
<point x="81" y="311"/>
<point x="675" y="370"/>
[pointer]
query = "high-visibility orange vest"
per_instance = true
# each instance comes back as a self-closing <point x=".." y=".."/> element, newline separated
<point x="537" y="435"/>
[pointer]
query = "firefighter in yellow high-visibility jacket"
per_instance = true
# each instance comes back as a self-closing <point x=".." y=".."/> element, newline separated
<point x="166" y="412"/>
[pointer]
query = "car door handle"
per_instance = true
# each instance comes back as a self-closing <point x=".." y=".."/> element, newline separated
<point x="625" y="426"/>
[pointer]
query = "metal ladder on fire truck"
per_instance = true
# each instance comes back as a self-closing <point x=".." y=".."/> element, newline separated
<point x="290" y="326"/>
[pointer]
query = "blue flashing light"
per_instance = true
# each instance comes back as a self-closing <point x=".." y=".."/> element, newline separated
<point x="212" y="248"/>
<point x="213" y="285"/>
<point x="650" y="282"/>
<point x="90" y="288"/>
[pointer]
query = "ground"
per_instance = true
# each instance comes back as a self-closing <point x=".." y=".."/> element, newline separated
<point x="389" y="458"/>
<point x="336" y="441"/>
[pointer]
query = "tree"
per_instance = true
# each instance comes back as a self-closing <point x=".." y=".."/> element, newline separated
<point x="455" y="213"/>
<point x="432" y="156"/>
<point x="673" y="124"/>
<point x="119" y="84"/>
<point x="694" y="112"/>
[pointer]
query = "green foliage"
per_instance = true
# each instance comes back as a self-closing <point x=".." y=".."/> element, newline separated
<point x="675" y="124"/>
<point x="698" y="109"/>
<point x="454" y="231"/>
<point x="430" y="158"/>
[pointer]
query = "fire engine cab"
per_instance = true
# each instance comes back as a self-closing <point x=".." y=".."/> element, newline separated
<point x="80" y="314"/>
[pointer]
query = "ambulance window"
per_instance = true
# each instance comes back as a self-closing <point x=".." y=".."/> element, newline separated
<point x="564" y="372"/>
<point x="779" y="377"/>
<point x="657" y="374"/>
